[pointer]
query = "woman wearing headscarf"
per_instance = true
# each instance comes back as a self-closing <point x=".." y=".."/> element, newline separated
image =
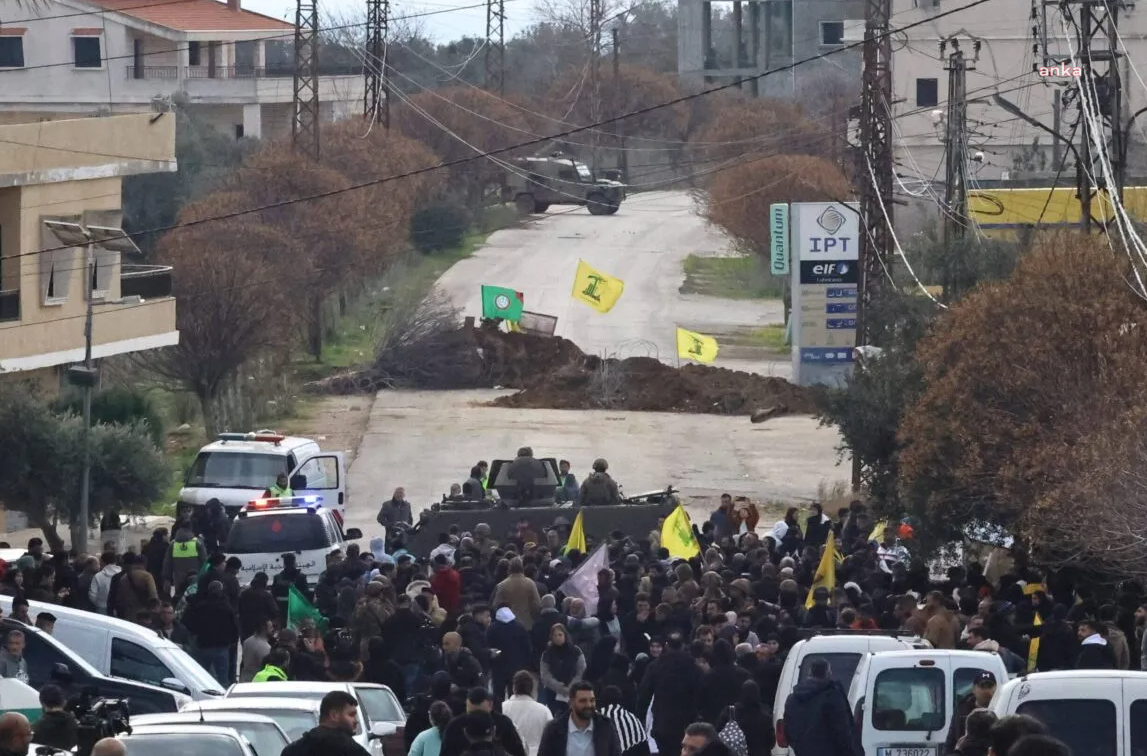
<point x="600" y="660"/>
<point x="817" y="527"/>
<point x="562" y="665"/>
<point x="380" y="669"/>
<point x="749" y="714"/>
<point x="419" y="719"/>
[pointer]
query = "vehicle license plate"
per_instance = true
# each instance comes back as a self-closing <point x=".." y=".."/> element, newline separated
<point x="906" y="751"/>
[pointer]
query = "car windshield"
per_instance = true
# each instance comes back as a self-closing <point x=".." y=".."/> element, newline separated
<point x="229" y="469"/>
<point x="276" y="533"/>
<point x="380" y="705"/>
<point x="183" y="744"/>
<point x="305" y="695"/>
<point x="584" y="172"/>
<point x="294" y="722"/>
<point x="266" y="738"/>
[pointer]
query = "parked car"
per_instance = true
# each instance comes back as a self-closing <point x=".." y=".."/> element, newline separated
<point x="185" y="740"/>
<point x="50" y="661"/>
<point x="262" y="732"/>
<point x="119" y="648"/>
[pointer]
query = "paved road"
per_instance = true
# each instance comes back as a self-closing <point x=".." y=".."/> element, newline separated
<point x="644" y="245"/>
<point x="425" y="441"/>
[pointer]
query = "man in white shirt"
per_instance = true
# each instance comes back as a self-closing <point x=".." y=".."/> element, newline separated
<point x="529" y="716"/>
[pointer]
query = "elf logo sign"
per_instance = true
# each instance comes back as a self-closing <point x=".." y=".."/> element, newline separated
<point x="831" y="272"/>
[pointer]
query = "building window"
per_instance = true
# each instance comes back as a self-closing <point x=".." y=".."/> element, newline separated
<point x="87" y="52"/>
<point x="238" y="131"/>
<point x="194" y="53"/>
<point x="12" y="52"/>
<point x="832" y="32"/>
<point x="927" y="93"/>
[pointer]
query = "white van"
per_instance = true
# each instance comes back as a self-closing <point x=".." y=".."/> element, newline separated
<point x="843" y="651"/>
<point x="903" y="701"/>
<point x="239" y="467"/>
<point x="118" y="648"/>
<point x="1093" y="711"/>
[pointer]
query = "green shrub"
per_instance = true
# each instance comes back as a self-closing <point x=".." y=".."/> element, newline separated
<point x="440" y="226"/>
<point x="118" y="406"/>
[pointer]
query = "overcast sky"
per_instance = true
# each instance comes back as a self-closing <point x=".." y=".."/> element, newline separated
<point x="444" y="24"/>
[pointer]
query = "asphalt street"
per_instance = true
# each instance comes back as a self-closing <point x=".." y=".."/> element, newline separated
<point x="644" y="245"/>
<point x="425" y="441"/>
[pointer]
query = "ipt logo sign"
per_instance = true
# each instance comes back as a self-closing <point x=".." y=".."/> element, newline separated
<point x="826" y="231"/>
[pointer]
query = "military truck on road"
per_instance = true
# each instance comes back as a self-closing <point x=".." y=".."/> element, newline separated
<point x="538" y="182"/>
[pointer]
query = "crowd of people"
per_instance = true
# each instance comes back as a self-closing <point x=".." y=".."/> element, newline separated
<point x="490" y="656"/>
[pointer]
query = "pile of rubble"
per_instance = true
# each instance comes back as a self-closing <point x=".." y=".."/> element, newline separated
<point x="553" y="373"/>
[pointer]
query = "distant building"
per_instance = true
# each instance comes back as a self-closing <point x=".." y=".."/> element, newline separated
<point x="773" y="34"/>
<point x="60" y="189"/>
<point x="1007" y="67"/>
<point x="63" y="58"/>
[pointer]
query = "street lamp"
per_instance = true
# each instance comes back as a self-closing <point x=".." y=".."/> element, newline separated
<point x="86" y="376"/>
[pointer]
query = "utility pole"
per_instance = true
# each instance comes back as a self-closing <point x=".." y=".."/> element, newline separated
<point x="305" y="124"/>
<point x="596" y="11"/>
<point x="376" y="95"/>
<point x="956" y="139"/>
<point x="1095" y="25"/>
<point x="496" y="46"/>
<point x="875" y="171"/>
<point x="622" y="153"/>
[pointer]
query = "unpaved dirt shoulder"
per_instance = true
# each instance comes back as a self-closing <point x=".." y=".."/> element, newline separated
<point x="336" y="422"/>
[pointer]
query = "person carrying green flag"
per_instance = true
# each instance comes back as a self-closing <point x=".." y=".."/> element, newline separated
<point x="299" y="610"/>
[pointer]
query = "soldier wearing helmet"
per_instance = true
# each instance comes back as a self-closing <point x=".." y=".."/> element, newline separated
<point x="599" y="488"/>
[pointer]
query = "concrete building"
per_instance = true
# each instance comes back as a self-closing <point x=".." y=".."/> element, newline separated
<point x="61" y="58"/>
<point x="60" y="186"/>
<point x="1004" y="68"/>
<point x="717" y="42"/>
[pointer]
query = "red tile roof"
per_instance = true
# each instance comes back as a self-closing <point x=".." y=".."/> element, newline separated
<point x="193" y="15"/>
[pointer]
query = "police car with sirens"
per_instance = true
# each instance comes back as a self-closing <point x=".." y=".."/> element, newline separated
<point x="238" y="467"/>
<point x="268" y="528"/>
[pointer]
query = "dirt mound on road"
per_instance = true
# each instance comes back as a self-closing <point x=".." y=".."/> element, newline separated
<point x="553" y="373"/>
<point x="563" y="377"/>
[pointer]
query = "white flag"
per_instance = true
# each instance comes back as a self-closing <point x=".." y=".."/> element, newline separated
<point x="582" y="583"/>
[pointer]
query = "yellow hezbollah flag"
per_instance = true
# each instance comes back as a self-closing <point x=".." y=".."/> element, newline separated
<point x="577" y="534"/>
<point x="825" y="571"/>
<point x="695" y="346"/>
<point x="595" y="288"/>
<point x="1033" y="647"/>
<point x="877" y="534"/>
<point x="677" y="535"/>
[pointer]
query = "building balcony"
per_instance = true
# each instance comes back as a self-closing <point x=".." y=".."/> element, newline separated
<point x="145" y="281"/>
<point x="172" y="73"/>
<point x="9" y="305"/>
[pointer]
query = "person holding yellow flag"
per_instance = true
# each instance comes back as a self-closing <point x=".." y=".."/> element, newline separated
<point x="677" y="535"/>
<point x="596" y="289"/>
<point x="576" y="541"/>
<point x="819" y="612"/>
<point x="696" y="346"/>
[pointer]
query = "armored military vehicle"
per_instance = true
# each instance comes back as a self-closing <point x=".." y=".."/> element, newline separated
<point x="539" y="182"/>
<point x="636" y="516"/>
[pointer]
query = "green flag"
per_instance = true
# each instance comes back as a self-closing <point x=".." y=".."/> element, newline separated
<point x="299" y="610"/>
<point x="500" y="302"/>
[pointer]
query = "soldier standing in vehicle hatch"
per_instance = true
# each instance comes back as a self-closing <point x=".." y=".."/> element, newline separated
<point x="599" y="488"/>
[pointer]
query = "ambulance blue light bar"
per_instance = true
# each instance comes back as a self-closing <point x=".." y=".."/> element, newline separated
<point x="285" y="502"/>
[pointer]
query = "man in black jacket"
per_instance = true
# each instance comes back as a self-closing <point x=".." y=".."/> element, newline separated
<point x="216" y="629"/>
<point x="983" y="688"/>
<point x="1094" y="650"/>
<point x="817" y="719"/>
<point x="583" y="726"/>
<point x="454" y="741"/>
<point x="56" y="728"/>
<point x="338" y="720"/>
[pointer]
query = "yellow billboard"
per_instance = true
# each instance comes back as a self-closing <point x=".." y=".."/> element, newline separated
<point x="1002" y="213"/>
